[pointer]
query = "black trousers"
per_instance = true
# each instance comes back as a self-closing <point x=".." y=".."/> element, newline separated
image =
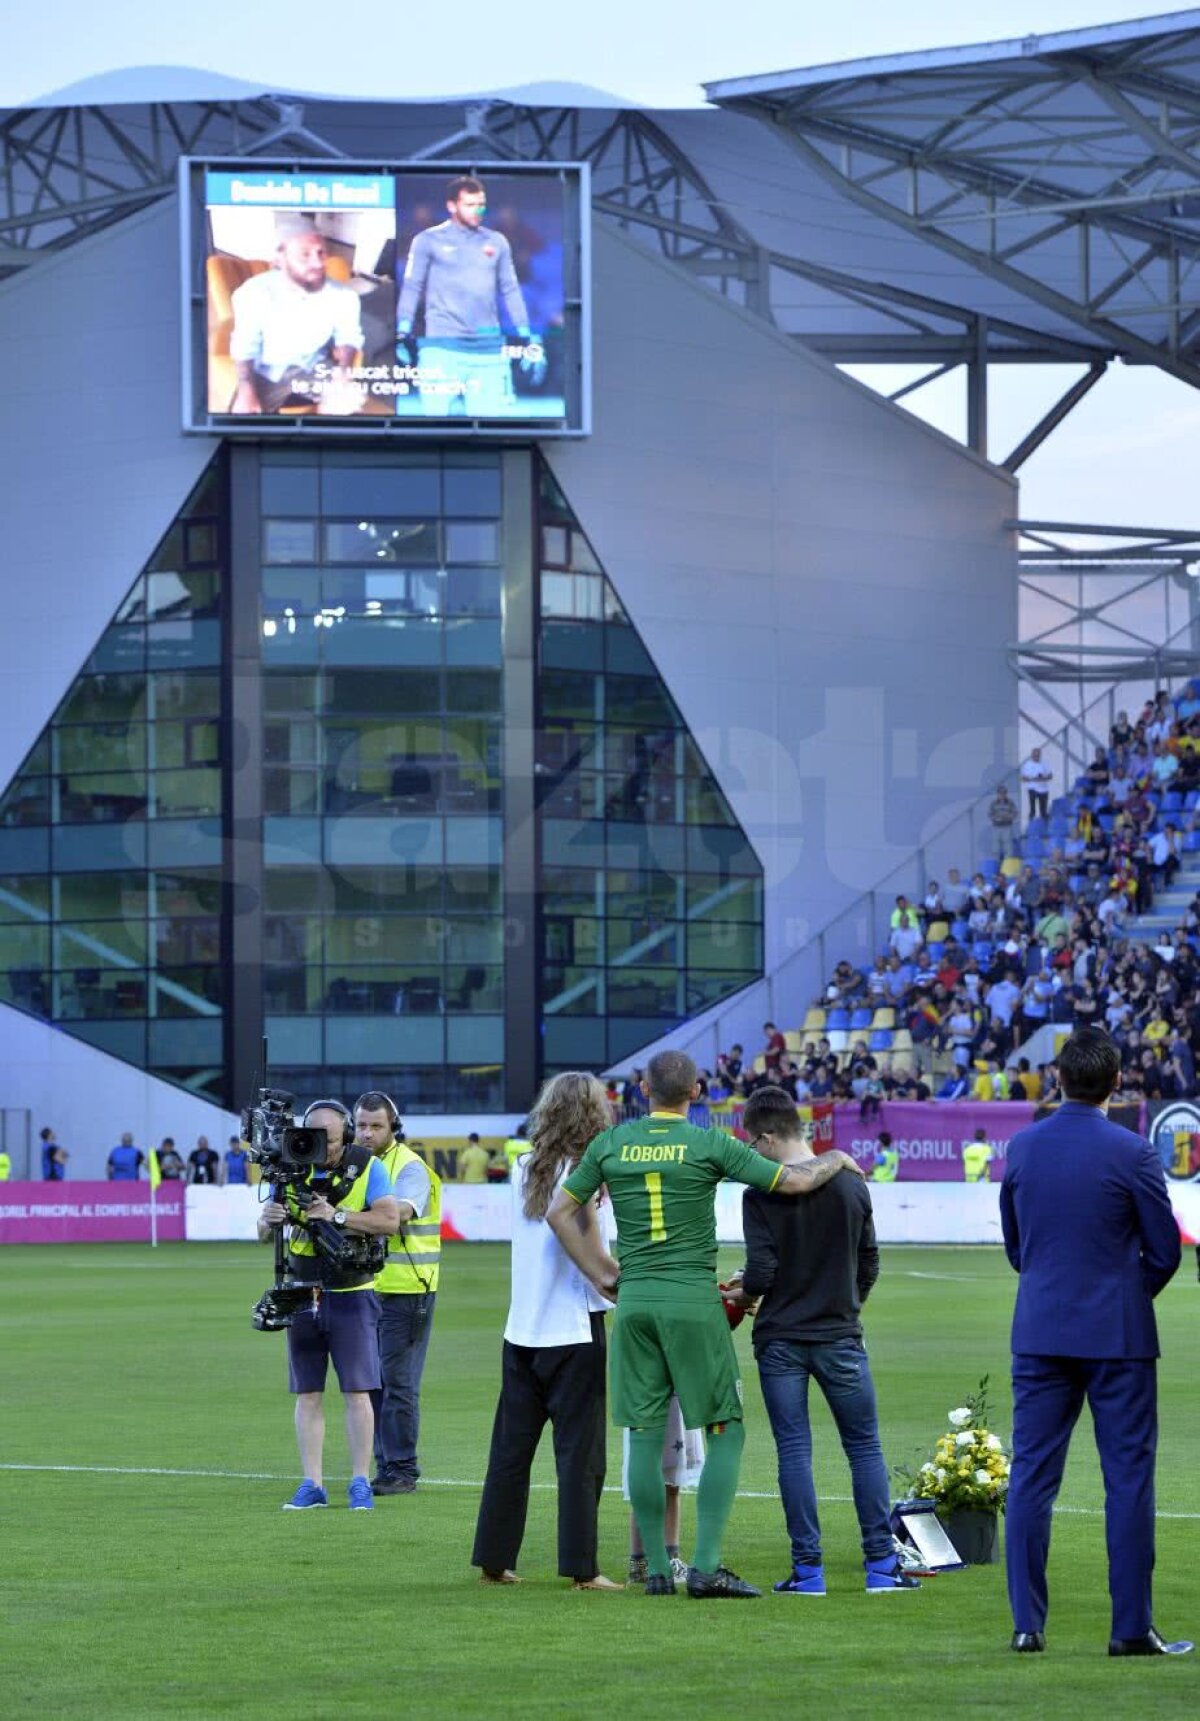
<point x="565" y="1386"/>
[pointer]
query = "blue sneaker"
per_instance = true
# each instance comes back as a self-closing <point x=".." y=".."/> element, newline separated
<point x="804" y="1581"/>
<point x="307" y="1495"/>
<point x="359" y="1495"/>
<point x="886" y="1575"/>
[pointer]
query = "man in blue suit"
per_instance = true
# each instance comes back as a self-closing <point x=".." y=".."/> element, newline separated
<point x="1088" y="1226"/>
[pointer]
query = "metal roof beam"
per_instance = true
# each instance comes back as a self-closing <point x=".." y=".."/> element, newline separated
<point x="1050" y="421"/>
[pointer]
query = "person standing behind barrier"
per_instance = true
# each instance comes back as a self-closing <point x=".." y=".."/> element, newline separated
<point x="515" y="1146"/>
<point x="1088" y="1226"/>
<point x="54" y="1157"/>
<point x="1003" y="816"/>
<point x="125" y="1162"/>
<point x="553" y="1367"/>
<point x="1037" y="776"/>
<point x="5" y="1166"/>
<point x="474" y="1161"/>
<point x="407" y="1290"/>
<point x="886" y="1168"/>
<point x="237" y="1162"/>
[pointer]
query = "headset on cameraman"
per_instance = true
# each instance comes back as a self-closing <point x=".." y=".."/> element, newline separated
<point x="397" y="1123"/>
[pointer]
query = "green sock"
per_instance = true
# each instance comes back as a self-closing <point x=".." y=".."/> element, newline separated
<point x="648" y="1496"/>
<point x="715" y="1495"/>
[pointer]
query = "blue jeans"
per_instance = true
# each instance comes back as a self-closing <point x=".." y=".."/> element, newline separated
<point x="405" y="1323"/>
<point x="841" y="1370"/>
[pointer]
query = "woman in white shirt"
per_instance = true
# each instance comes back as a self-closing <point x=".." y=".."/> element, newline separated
<point x="554" y="1354"/>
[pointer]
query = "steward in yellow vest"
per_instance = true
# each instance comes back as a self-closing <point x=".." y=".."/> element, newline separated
<point x="977" y="1157"/>
<point x="887" y="1162"/>
<point x="407" y="1289"/>
<point x="5" y="1167"/>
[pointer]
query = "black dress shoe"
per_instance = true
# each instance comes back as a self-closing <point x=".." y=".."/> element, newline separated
<point x="1151" y="1644"/>
<point x="1028" y="1642"/>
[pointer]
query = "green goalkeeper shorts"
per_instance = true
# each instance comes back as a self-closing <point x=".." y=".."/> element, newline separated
<point x="682" y="1347"/>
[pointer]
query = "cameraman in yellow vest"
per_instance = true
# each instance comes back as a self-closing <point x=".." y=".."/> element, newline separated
<point x="407" y="1290"/>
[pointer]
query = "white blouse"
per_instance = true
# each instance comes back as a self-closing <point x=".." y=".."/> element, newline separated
<point x="551" y="1301"/>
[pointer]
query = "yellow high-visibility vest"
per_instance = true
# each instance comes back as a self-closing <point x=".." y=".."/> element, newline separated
<point x="354" y="1201"/>
<point x="976" y="1158"/>
<point x="5" y="1167"/>
<point x="414" y="1257"/>
<point x="887" y="1166"/>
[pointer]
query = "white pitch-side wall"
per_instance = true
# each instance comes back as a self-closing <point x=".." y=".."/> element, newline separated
<point x="827" y="585"/>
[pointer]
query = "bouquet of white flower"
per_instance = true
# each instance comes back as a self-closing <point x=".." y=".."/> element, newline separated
<point x="969" y="1467"/>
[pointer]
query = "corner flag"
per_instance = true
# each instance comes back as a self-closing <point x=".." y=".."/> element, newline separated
<point x="155" y="1180"/>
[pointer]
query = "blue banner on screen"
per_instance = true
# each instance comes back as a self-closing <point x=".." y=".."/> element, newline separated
<point x="420" y="294"/>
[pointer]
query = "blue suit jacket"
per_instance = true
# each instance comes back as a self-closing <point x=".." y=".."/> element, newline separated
<point x="1088" y="1226"/>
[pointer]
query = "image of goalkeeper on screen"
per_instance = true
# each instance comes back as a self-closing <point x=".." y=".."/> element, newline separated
<point x="462" y="274"/>
<point x="671" y="1334"/>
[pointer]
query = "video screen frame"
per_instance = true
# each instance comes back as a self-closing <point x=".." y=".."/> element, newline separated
<point x="572" y="414"/>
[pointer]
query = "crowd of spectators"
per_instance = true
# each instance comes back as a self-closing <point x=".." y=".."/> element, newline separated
<point x="1038" y="935"/>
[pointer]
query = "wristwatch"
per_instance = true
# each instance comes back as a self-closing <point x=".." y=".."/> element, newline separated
<point x="339" y="1217"/>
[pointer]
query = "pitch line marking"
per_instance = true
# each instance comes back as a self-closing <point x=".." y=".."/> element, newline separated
<point x="445" y="1482"/>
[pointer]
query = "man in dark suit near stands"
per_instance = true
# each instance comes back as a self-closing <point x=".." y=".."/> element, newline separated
<point x="1088" y="1226"/>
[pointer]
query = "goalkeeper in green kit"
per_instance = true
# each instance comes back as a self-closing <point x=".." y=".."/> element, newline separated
<point x="671" y="1334"/>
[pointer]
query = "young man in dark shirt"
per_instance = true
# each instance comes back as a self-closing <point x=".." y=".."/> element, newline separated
<point x="813" y="1263"/>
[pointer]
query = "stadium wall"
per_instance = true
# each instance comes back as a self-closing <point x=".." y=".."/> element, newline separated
<point x="828" y="586"/>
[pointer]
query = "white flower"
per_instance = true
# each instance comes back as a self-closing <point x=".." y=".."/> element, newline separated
<point x="927" y="1469"/>
<point x="983" y="1479"/>
<point x="941" y="1476"/>
<point x="994" y="1443"/>
<point x="959" y="1418"/>
<point x="964" y="1439"/>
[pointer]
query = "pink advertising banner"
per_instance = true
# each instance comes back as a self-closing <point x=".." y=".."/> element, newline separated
<point x="931" y="1137"/>
<point x="89" y="1212"/>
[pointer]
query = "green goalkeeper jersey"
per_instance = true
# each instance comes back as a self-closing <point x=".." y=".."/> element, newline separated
<point x="662" y="1174"/>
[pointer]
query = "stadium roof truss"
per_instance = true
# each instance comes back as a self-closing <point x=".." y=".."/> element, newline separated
<point x="1065" y="168"/>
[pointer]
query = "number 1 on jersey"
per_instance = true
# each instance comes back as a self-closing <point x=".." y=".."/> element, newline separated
<point x="658" y="1224"/>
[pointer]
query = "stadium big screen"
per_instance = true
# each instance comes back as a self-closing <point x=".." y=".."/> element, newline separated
<point x="364" y="298"/>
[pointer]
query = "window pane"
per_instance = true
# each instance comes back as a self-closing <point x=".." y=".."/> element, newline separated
<point x="375" y="540"/>
<point x="472" y="541"/>
<point x="288" y="489"/>
<point x="362" y="489"/>
<point x="289" y="541"/>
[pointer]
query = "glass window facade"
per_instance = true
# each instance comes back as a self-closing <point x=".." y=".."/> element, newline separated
<point x="110" y="833"/>
<point x="345" y="622"/>
<point x="651" y="891"/>
<point x="383" y="902"/>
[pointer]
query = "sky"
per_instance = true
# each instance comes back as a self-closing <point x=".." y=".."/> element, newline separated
<point x="654" y="52"/>
<point x="1125" y="455"/>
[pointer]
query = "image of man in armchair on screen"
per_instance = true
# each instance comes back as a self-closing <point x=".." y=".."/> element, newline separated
<point x="296" y="333"/>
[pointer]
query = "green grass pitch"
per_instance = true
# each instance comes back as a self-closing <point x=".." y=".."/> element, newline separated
<point x="195" y="1596"/>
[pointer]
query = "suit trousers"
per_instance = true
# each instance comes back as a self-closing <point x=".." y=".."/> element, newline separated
<point x="565" y="1386"/>
<point x="1048" y="1395"/>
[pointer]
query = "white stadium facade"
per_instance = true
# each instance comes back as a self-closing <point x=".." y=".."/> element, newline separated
<point x="597" y="740"/>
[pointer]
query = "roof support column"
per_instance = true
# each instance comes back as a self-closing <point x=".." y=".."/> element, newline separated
<point x="977" y="382"/>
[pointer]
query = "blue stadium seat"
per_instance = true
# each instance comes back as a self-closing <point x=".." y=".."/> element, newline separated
<point x="935" y="950"/>
<point x="1172" y="802"/>
<point x="859" y="1019"/>
<point x="1076" y="882"/>
<point x="881" y="1040"/>
<point x="1191" y="799"/>
<point x="989" y="867"/>
<point x="1034" y="848"/>
<point x="981" y="950"/>
<point x="1060" y="828"/>
<point x="959" y="928"/>
<point x="839" y="1019"/>
<point x="1060" y="807"/>
<point x="1191" y="842"/>
<point x="1036" y="827"/>
<point x="1106" y="821"/>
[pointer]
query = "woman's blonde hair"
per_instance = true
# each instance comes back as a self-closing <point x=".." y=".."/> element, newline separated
<point x="571" y="1109"/>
